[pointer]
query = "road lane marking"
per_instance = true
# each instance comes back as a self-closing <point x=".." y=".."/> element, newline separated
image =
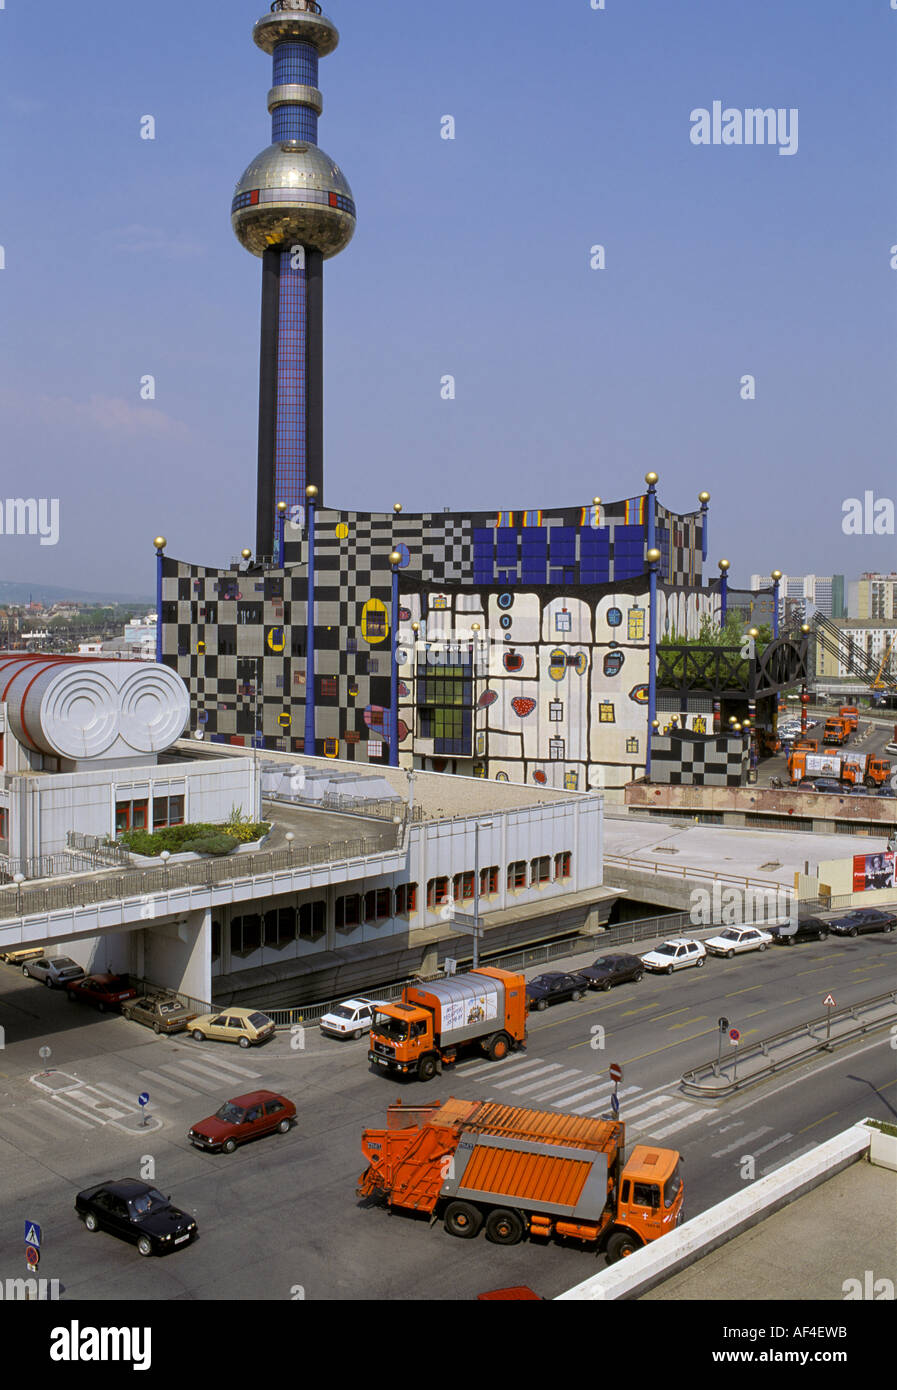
<point x="745" y="1139"/>
<point x="550" y="1084"/>
<point x="552" y="1066"/>
<point x="172" y="1085"/>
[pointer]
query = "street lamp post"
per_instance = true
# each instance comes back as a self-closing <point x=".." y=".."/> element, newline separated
<point x="487" y="825"/>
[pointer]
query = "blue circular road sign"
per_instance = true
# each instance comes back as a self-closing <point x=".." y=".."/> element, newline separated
<point x="143" y="1098"/>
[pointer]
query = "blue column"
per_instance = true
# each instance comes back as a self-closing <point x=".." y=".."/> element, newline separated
<point x="309" y="742"/>
<point x="704" y="499"/>
<point x="653" y="562"/>
<point x="652" y="658"/>
<point x="281" y="523"/>
<point x="394" y="672"/>
<point x="775" y="607"/>
<point x="160" y="555"/>
<point x="723" y="591"/>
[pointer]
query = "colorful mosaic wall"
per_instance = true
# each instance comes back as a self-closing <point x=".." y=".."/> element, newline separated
<point x="237" y="637"/>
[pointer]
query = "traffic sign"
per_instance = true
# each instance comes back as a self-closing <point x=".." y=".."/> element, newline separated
<point x="32" y="1256"/>
<point x="32" y="1233"/>
<point x="722" y="1024"/>
<point x="143" y="1098"/>
<point x="615" y="1071"/>
<point x="828" y="1002"/>
<point x="615" y="1103"/>
<point x="734" y="1035"/>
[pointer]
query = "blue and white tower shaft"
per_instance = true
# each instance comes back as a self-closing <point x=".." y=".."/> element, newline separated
<point x="294" y="209"/>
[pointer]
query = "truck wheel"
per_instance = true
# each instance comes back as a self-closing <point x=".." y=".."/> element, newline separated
<point x="620" y="1245"/>
<point x="426" y="1068"/>
<point x="497" y="1047"/>
<point x="504" y="1227"/>
<point x="462" y="1220"/>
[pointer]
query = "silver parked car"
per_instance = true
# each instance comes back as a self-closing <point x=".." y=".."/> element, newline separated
<point x="53" y="970"/>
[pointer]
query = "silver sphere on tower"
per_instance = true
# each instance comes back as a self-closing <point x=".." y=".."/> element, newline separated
<point x="293" y="192"/>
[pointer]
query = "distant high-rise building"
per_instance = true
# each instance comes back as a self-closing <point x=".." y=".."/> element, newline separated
<point x="873" y="596"/>
<point x="824" y="592"/>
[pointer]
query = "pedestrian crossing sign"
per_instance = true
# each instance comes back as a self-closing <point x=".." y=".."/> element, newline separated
<point x="32" y="1234"/>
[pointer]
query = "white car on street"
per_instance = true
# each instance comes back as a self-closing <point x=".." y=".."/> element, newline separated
<point x="737" y="939"/>
<point x="351" y="1019"/>
<point x="674" y="955"/>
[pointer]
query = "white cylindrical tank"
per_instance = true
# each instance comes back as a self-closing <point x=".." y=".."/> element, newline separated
<point x="76" y="708"/>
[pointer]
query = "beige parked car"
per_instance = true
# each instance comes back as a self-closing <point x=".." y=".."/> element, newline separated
<point x="247" y="1027"/>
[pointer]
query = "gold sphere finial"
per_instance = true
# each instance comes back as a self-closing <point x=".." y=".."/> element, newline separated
<point x="653" y="555"/>
<point x="724" y="565"/>
<point x="311" y="492"/>
<point x="160" y="542"/>
<point x="753" y="632"/>
<point x="777" y="574"/>
<point x="247" y="554"/>
<point x="395" y="557"/>
<point x="703" y="496"/>
<point x="474" y="627"/>
<point x="281" y="507"/>
<point x="805" y="627"/>
<point x="397" y="507"/>
<point x="596" y="501"/>
<point x="415" y="627"/>
<point x="650" y="479"/>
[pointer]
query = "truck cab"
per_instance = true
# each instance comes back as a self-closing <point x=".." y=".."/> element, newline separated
<point x="400" y="1034"/>
<point x="649" y="1203"/>
<point x="836" y="730"/>
<point x="851" y="716"/>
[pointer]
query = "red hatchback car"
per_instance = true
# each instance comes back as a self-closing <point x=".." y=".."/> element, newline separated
<point x="103" y="991"/>
<point x="244" y="1117"/>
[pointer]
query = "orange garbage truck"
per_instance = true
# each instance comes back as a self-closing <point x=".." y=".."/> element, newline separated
<point x="837" y="730"/>
<point x="478" y="1164"/>
<point x="851" y="716"/>
<point x="435" y="1024"/>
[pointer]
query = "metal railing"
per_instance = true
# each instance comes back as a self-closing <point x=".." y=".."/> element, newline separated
<point x="101" y="851"/>
<point x="763" y="1058"/>
<point x="143" y="883"/>
<point x="685" y="871"/>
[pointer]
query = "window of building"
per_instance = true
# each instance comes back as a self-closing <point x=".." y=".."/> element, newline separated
<point x="245" y="934"/>
<point x="168" y="810"/>
<point x="4" y="823"/>
<point x="541" y="870"/>
<point x="437" y="892"/>
<point x="462" y="887"/>
<point x="280" y="926"/>
<point x="556" y="748"/>
<point x="131" y="815"/>
<point x="562" y="864"/>
<point x="377" y="904"/>
<point x="348" y="911"/>
<point x="376" y="623"/>
<point x="489" y="881"/>
<point x="517" y="874"/>
<point x="329" y="687"/>
<point x="406" y="899"/>
<point x="312" y="920"/>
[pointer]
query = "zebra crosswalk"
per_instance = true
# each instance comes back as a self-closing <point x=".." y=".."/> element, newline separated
<point x="107" y="1098"/>
<point x="540" y="1083"/>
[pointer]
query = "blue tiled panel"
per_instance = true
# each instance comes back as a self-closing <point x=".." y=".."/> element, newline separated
<point x="533" y="555"/>
<point x="629" y="551"/>
<point x="563" y="545"/>
<point x="294" y="123"/>
<point x="594" y="556"/>
<point x="295" y="63"/>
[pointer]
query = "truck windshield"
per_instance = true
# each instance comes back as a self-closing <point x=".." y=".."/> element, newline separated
<point x="672" y="1187"/>
<point x="395" y="1028"/>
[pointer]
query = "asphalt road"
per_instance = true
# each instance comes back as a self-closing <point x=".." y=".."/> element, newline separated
<point x="279" y="1219"/>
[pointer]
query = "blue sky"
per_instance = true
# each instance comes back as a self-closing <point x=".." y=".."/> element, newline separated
<point x="471" y="258"/>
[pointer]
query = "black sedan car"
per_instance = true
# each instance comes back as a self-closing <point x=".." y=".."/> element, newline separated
<point x="863" y="919"/>
<point x="612" y="970"/>
<point x="135" y="1211"/>
<point x="552" y="989"/>
<point x="806" y="929"/>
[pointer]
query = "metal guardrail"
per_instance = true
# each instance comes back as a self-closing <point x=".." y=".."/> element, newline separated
<point x="769" y="1055"/>
<point x="143" y="883"/>
<point x="686" y="871"/>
